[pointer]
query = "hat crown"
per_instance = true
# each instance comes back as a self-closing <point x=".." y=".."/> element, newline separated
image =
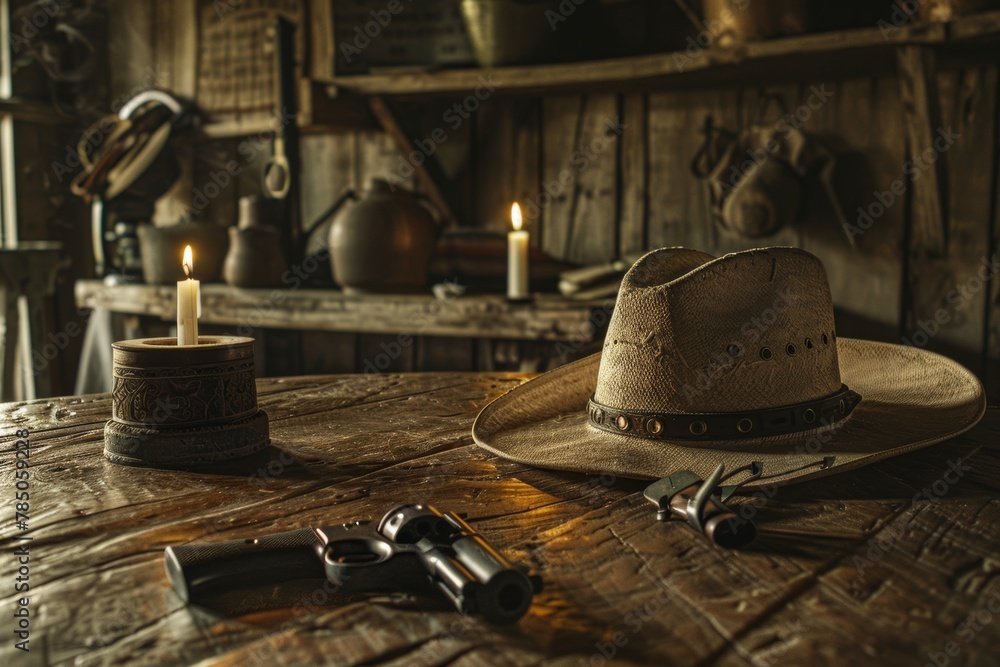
<point x="692" y="334"/>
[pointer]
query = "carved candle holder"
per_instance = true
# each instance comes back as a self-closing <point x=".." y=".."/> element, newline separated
<point x="184" y="406"/>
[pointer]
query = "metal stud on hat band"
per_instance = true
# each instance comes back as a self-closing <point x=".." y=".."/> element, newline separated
<point x="725" y="425"/>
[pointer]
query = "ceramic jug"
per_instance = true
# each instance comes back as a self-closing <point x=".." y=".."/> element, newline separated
<point x="255" y="258"/>
<point x="382" y="241"/>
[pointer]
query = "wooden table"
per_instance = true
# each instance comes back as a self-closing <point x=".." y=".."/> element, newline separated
<point x="860" y="568"/>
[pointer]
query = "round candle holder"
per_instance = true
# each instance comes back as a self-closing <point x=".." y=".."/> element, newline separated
<point x="184" y="406"/>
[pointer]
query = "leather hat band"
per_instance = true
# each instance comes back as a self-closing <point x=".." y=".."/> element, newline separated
<point x="725" y="425"/>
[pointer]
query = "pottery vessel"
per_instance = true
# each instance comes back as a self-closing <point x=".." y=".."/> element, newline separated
<point x="382" y="241"/>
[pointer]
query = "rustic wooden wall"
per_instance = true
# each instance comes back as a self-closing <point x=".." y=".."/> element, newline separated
<point x="639" y="193"/>
<point x="634" y="190"/>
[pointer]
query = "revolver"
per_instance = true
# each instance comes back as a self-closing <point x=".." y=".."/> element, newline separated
<point x="415" y="549"/>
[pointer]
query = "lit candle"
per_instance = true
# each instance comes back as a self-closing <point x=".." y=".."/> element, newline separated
<point x="517" y="257"/>
<point x="188" y="303"/>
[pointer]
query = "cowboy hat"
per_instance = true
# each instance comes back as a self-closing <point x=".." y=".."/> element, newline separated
<point x="731" y="360"/>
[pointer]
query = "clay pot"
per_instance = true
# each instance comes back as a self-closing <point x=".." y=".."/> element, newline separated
<point x="382" y="242"/>
<point x="162" y="249"/>
<point x="254" y="258"/>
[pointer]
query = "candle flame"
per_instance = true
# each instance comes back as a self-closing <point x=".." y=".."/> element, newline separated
<point x="515" y="216"/>
<point x="188" y="262"/>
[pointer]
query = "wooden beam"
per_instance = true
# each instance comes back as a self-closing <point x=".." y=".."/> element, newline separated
<point x="429" y="172"/>
<point x="706" y="67"/>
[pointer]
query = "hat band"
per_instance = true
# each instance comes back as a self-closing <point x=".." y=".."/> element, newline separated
<point x="725" y="425"/>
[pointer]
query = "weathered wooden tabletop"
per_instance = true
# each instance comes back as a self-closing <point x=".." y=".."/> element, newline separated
<point x="894" y="564"/>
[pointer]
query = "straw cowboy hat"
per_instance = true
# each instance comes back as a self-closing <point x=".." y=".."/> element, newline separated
<point x="731" y="360"/>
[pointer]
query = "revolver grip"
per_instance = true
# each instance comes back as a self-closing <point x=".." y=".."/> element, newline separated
<point x="241" y="576"/>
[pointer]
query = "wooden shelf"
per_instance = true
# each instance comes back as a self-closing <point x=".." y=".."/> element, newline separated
<point x="549" y="317"/>
<point x="319" y="111"/>
<point x="709" y="66"/>
<point x="337" y="105"/>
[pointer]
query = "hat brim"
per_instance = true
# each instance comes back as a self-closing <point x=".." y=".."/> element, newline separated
<point x="911" y="398"/>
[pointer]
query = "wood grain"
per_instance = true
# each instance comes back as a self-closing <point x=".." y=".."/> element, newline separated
<point x="548" y="317"/>
<point x="950" y="291"/>
<point x="848" y="570"/>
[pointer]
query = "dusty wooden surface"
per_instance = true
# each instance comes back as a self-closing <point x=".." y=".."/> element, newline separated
<point x="548" y="317"/>
<point x="850" y="570"/>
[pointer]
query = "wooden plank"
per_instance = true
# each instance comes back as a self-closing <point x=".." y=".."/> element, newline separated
<point x="922" y="120"/>
<point x="679" y="204"/>
<point x="490" y="316"/>
<point x="445" y="354"/>
<point x="378" y="157"/>
<point x="329" y="170"/>
<point x="857" y="568"/>
<point x="426" y="169"/>
<point x="328" y="352"/>
<point x="812" y="55"/>
<point x="130" y="45"/>
<point x="560" y="121"/>
<point x="386" y="353"/>
<point x="949" y="294"/>
<point x="506" y="164"/>
<point x="860" y="124"/>
<point x="579" y="173"/>
<point x="634" y="169"/>
<point x="176" y="40"/>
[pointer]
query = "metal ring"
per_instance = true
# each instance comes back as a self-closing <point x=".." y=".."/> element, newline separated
<point x="654" y="426"/>
<point x="745" y="425"/>
<point x="622" y="423"/>
<point x="697" y="427"/>
<point x="809" y="416"/>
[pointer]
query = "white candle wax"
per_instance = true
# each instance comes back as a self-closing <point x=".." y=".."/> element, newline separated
<point x="188" y="304"/>
<point x="517" y="258"/>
